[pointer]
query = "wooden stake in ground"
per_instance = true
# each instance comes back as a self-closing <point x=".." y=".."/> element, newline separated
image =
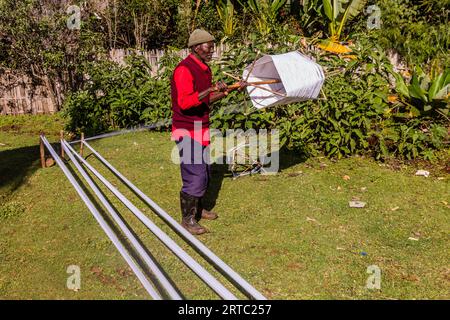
<point x="42" y="150"/>
<point x="256" y="84"/>
<point x="81" y="144"/>
<point x="61" y="137"/>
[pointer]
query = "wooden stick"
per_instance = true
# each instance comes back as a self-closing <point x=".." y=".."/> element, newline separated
<point x="255" y="83"/>
<point x="265" y="82"/>
<point x="252" y="66"/>
<point x="239" y="79"/>
<point x="269" y="78"/>
<point x="323" y="92"/>
<point x="42" y="150"/>
<point x="81" y="144"/>
<point x="231" y="76"/>
<point x="61" y="137"/>
<point x="274" y="92"/>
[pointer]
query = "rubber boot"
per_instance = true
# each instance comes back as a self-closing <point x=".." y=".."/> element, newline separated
<point x="189" y="208"/>
<point x="202" y="213"/>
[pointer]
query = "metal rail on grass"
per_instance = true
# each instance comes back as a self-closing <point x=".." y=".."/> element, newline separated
<point x="201" y="272"/>
<point x="161" y="282"/>
<point x="123" y="131"/>
<point x="162" y="279"/>
<point x="109" y="232"/>
<point x="214" y="260"/>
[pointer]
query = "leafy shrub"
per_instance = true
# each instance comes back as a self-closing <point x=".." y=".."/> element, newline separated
<point x="117" y="96"/>
<point x="418" y="30"/>
<point x="425" y="95"/>
<point x="354" y="114"/>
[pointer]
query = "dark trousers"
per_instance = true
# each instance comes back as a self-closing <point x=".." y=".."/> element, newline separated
<point x="195" y="167"/>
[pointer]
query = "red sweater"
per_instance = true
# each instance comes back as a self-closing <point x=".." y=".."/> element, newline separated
<point x="190" y="77"/>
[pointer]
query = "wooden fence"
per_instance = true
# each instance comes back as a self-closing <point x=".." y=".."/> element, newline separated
<point x="19" y="96"/>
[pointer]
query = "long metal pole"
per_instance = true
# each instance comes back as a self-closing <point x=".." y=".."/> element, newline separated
<point x="123" y="131"/>
<point x="111" y="235"/>
<point x="144" y="255"/>
<point x="221" y="266"/>
<point x="202" y="273"/>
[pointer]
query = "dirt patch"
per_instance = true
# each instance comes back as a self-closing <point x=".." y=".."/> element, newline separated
<point x="11" y="127"/>
<point x="295" y="266"/>
<point x="125" y="272"/>
<point x="105" y="279"/>
<point x="446" y="274"/>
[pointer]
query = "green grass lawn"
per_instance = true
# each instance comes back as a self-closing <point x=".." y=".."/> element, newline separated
<point x="291" y="235"/>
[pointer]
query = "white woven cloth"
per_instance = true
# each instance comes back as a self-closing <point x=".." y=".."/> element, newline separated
<point x="301" y="79"/>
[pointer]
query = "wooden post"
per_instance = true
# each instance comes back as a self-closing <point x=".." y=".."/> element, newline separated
<point x="61" y="137"/>
<point x="42" y="150"/>
<point x="81" y="144"/>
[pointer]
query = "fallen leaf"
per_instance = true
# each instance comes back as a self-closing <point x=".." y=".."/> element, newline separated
<point x="312" y="220"/>
<point x="410" y="277"/>
<point x="392" y="98"/>
<point x="96" y="270"/>
<point x="346" y="177"/>
<point x="423" y="173"/>
<point x="356" y="204"/>
<point x="49" y="162"/>
<point x="294" y="174"/>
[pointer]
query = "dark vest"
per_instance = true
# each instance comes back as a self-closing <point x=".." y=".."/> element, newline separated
<point x="184" y="119"/>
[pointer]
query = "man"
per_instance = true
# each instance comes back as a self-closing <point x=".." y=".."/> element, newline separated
<point x="192" y="93"/>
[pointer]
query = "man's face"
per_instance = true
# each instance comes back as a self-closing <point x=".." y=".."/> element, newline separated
<point x="205" y="50"/>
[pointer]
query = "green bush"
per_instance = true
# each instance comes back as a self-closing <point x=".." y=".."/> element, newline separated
<point x="418" y="30"/>
<point x="352" y="116"/>
<point x="117" y="97"/>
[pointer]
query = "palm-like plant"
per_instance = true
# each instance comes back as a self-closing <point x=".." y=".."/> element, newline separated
<point x="225" y="10"/>
<point x="266" y="13"/>
<point x="425" y="93"/>
<point x="339" y="12"/>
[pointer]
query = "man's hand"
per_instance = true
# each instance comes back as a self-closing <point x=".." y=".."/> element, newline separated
<point x="221" y="89"/>
<point x="242" y="85"/>
<point x="221" y="86"/>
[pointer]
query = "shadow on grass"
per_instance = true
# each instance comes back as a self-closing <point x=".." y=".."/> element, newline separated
<point x="290" y="158"/>
<point x="16" y="165"/>
<point x="287" y="159"/>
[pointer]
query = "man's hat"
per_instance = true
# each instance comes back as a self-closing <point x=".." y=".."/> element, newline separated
<point x="199" y="36"/>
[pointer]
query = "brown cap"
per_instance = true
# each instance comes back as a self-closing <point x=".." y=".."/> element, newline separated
<point x="199" y="36"/>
